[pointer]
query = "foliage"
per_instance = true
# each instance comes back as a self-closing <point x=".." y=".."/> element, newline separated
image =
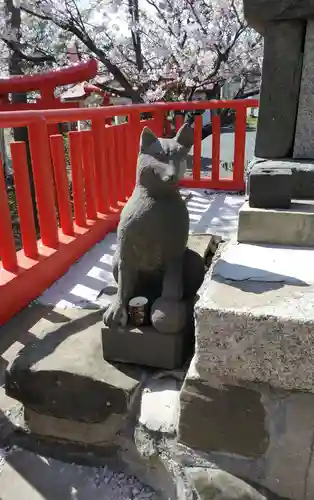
<point x="153" y="49"/>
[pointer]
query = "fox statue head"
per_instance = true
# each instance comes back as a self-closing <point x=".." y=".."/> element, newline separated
<point x="162" y="162"/>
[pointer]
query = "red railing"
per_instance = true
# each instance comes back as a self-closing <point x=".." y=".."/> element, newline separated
<point x="102" y="172"/>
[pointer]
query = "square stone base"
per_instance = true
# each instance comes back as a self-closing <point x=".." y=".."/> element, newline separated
<point x="254" y="432"/>
<point x="294" y="226"/>
<point x="145" y="346"/>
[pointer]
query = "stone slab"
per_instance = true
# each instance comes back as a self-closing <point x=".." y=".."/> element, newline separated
<point x="234" y="419"/>
<point x="286" y="466"/>
<point x="145" y="346"/>
<point x="65" y="376"/>
<point x="304" y="134"/>
<point x="215" y="484"/>
<point x="255" y="316"/>
<point x="270" y="187"/>
<point x="302" y="175"/>
<point x="103" y="433"/>
<point x="294" y="226"/>
<point x="281" y="77"/>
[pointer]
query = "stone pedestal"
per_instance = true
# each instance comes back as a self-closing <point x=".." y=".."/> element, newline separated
<point x="250" y="384"/>
<point x="69" y="392"/>
<point x="146" y="346"/>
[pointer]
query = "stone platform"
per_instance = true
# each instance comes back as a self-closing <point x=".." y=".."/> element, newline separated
<point x="68" y="390"/>
<point x="251" y="381"/>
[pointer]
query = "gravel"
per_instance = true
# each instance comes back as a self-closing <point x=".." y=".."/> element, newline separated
<point x="68" y="481"/>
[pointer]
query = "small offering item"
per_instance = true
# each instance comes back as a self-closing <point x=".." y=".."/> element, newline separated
<point x="138" y="311"/>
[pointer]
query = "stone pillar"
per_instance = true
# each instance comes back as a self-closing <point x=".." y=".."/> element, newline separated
<point x="304" y="137"/>
<point x="283" y="52"/>
<point x="282" y="175"/>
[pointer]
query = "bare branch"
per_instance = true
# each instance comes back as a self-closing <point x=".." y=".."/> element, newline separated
<point x="35" y="59"/>
<point x="90" y="44"/>
<point x="204" y="31"/>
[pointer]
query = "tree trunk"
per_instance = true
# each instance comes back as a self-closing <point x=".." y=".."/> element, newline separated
<point x="15" y="64"/>
<point x="136" y="37"/>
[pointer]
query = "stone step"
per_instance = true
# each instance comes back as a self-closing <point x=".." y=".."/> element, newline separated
<point x="294" y="226"/>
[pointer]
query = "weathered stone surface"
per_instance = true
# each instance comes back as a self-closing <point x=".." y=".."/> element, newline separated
<point x="255" y="316"/>
<point x="146" y="346"/>
<point x="281" y="78"/>
<point x="215" y="484"/>
<point x="169" y="316"/>
<point x="65" y="376"/>
<point x="205" y="245"/>
<point x="294" y="226"/>
<point x="160" y="405"/>
<point x="275" y="10"/>
<point x="101" y="433"/>
<point x="303" y="181"/>
<point x="286" y="467"/>
<point x="302" y="175"/>
<point x="304" y="135"/>
<point x="234" y="419"/>
<point x="270" y="187"/>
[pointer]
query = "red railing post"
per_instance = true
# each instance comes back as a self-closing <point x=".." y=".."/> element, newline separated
<point x="89" y="173"/>
<point x="102" y="188"/>
<point x="197" y="150"/>
<point x="239" y="147"/>
<point x="159" y="120"/>
<point x="43" y="178"/>
<point x="61" y="181"/>
<point x="76" y="153"/>
<point x="112" y="163"/>
<point x="7" y="244"/>
<point x="24" y="199"/>
<point x="117" y="159"/>
<point x="132" y="148"/>
<point x="127" y="181"/>
<point x="215" y="148"/>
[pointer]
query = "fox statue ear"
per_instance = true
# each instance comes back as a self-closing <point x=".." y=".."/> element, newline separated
<point x="147" y="139"/>
<point x="185" y="136"/>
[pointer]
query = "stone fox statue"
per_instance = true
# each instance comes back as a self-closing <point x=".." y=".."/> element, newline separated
<point x="151" y="259"/>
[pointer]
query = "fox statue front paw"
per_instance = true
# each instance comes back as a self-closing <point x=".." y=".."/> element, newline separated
<point x="115" y="316"/>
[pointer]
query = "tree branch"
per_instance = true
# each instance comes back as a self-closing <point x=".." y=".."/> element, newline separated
<point x="204" y="31"/>
<point x="37" y="59"/>
<point x="88" y="42"/>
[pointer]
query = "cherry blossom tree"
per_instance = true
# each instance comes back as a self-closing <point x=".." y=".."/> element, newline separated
<point x="154" y="49"/>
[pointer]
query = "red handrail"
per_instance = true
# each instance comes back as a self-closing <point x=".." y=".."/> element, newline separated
<point x="103" y="169"/>
<point x="24" y="118"/>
